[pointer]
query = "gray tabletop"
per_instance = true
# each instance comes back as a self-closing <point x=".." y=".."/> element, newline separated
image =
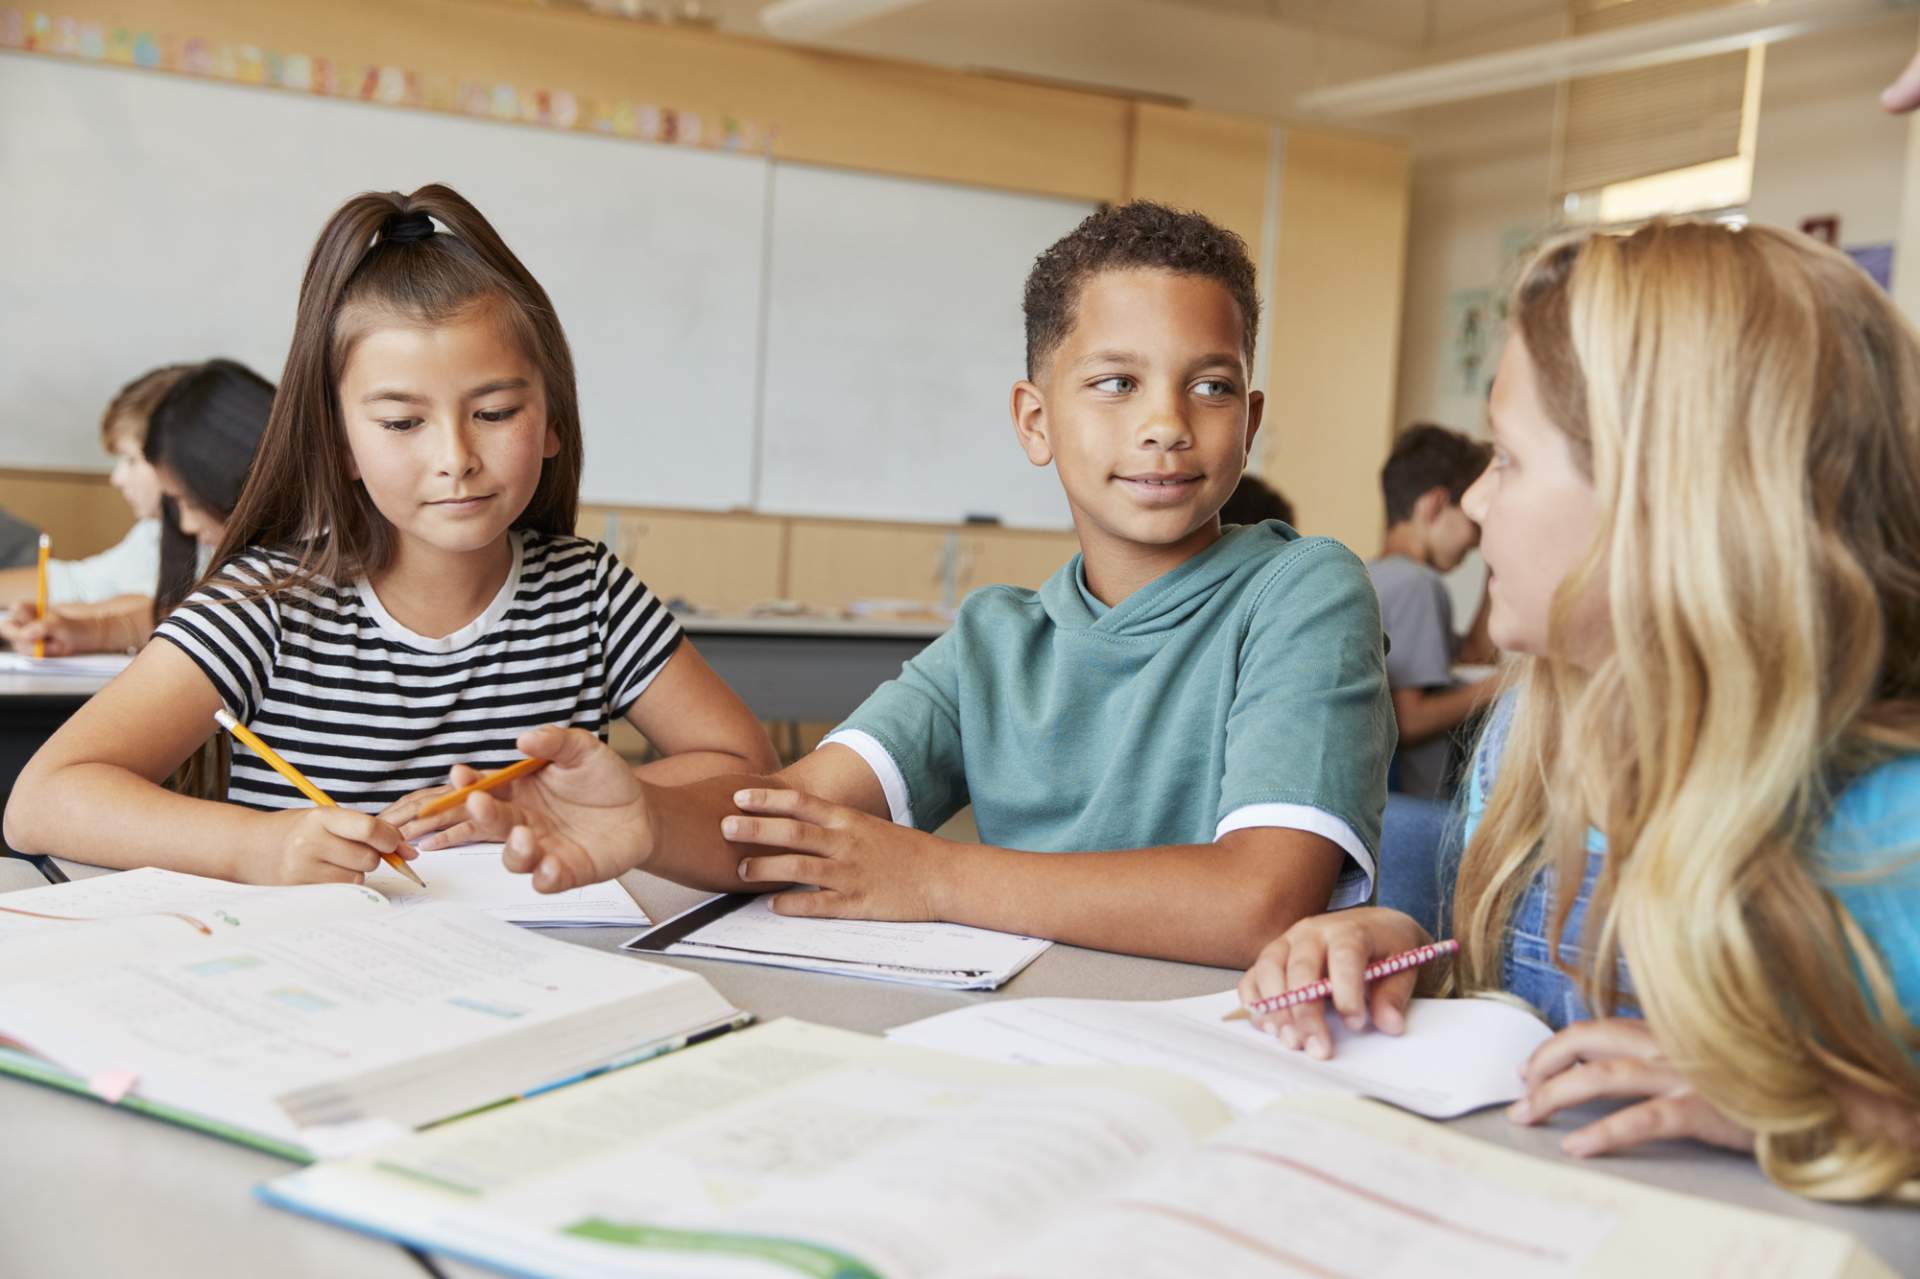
<point x="172" y="1189"/>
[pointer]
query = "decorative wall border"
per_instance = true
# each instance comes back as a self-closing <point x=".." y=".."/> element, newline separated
<point x="32" y="31"/>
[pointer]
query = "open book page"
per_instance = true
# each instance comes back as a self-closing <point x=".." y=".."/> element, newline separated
<point x="744" y="928"/>
<point x="1457" y="1055"/>
<point x="128" y="914"/>
<point x="404" y="1017"/>
<point x="472" y="875"/>
<point x="1336" y="1186"/>
<point x="787" y="1149"/>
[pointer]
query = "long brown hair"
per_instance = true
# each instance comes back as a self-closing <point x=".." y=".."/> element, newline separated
<point x="379" y="260"/>
<point x="1747" y="404"/>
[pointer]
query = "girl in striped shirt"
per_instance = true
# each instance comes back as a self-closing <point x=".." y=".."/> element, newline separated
<point x="397" y="593"/>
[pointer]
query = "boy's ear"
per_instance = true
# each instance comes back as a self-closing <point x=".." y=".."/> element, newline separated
<point x="1428" y="506"/>
<point x="1256" y="409"/>
<point x="1030" y="422"/>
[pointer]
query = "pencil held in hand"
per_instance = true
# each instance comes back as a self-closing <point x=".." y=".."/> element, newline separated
<point x="499" y="777"/>
<point x="40" y="592"/>
<point x="293" y="775"/>
<point x="1322" y="989"/>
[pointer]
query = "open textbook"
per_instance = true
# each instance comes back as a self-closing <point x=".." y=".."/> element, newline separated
<point x="313" y="1018"/>
<point x="743" y="928"/>
<point x="472" y="875"/>
<point x="793" y="1149"/>
<point x="1456" y="1055"/>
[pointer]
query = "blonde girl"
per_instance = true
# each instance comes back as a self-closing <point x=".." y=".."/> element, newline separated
<point x="1700" y="802"/>
<point x="397" y="592"/>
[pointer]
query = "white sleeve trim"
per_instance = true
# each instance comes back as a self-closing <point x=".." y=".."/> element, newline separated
<point x="1355" y="885"/>
<point x="893" y="783"/>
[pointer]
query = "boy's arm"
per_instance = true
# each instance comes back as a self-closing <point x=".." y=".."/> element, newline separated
<point x="1423" y="714"/>
<point x="822" y="824"/>
<point x="1213" y="903"/>
<point x="1476" y="646"/>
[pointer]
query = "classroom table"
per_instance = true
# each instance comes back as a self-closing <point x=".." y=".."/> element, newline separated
<point x="178" y="1188"/>
<point x="806" y="669"/>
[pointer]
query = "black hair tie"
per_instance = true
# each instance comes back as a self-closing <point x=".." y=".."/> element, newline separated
<point x="404" y="228"/>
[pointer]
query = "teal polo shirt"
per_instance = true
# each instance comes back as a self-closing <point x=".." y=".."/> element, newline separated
<point x="1246" y="687"/>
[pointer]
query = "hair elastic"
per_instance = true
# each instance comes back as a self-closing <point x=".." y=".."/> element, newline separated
<point x="404" y="228"/>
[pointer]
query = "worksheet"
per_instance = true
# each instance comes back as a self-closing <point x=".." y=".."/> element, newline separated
<point x="744" y="928"/>
<point x="1457" y="1055"/>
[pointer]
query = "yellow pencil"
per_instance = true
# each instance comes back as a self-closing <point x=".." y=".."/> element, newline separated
<point x="301" y="784"/>
<point x="499" y="777"/>
<point x="40" y="592"/>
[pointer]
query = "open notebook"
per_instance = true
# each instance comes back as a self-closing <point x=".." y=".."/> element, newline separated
<point x="792" y="1149"/>
<point x="316" y="1018"/>
<point x="81" y="665"/>
<point x="1456" y="1055"/>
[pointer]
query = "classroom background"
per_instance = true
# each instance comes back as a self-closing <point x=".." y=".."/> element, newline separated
<point x="794" y="232"/>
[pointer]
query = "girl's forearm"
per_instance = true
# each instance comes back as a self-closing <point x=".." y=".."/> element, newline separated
<point x="104" y="815"/>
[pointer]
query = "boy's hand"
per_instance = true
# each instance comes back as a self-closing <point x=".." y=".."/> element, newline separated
<point x="582" y="819"/>
<point x="865" y="867"/>
<point x="64" y="636"/>
<point x="321" y="846"/>
<point x="1619" y="1057"/>
<point x="1338" y="947"/>
<point x="444" y="829"/>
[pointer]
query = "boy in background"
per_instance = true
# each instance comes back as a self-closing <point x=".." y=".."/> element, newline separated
<point x="1176" y="747"/>
<point x="1428" y="535"/>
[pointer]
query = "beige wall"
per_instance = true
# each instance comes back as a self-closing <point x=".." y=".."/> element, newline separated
<point x="1337" y="287"/>
<point x="81" y="512"/>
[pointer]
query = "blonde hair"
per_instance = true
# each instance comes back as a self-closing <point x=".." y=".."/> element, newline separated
<point x="1747" y="404"/>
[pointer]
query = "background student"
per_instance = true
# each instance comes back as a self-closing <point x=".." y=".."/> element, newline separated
<point x="1255" y="500"/>
<point x="1179" y="739"/>
<point x="1703" y="801"/>
<point x="200" y="441"/>
<point x="1427" y="535"/>
<point x="130" y="566"/>
<point x="398" y="589"/>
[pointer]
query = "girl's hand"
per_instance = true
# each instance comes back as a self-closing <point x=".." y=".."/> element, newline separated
<point x="321" y="846"/>
<point x="864" y="867"/>
<point x="1619" y="1057"/>
<point x="63" y="634"/>
<point x="1338" y="947"/>
<point x="583" y="819"/>
<point x="443" y="829"/>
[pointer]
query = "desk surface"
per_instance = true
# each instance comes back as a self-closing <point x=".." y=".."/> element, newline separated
<point x="38" y="685"/>
<point x="810" y="626"/>
<point x="174" y="1189"/>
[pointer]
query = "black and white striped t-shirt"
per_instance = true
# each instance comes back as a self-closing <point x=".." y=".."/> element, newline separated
<point x="371" y="712"/>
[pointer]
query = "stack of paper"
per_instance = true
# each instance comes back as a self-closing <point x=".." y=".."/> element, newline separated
<point x="743" y="928"/>
<point x="473" y="876"/>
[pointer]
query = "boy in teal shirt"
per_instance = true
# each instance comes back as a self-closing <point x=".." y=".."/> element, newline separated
<point x="1176" y="747"/>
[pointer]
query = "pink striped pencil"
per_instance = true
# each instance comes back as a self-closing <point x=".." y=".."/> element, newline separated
<point x="1321" y="989"/>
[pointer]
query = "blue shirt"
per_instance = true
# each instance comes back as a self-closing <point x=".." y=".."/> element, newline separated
<point x="1874" y="827"/>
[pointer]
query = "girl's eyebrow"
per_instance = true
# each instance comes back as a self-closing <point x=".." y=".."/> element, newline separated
<point x="498" y="384"/>
<point x="394" y="394"/>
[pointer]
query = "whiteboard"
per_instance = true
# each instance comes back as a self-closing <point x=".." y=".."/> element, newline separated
<point x="894" y="338"/>
<point x="151" y="218"/>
